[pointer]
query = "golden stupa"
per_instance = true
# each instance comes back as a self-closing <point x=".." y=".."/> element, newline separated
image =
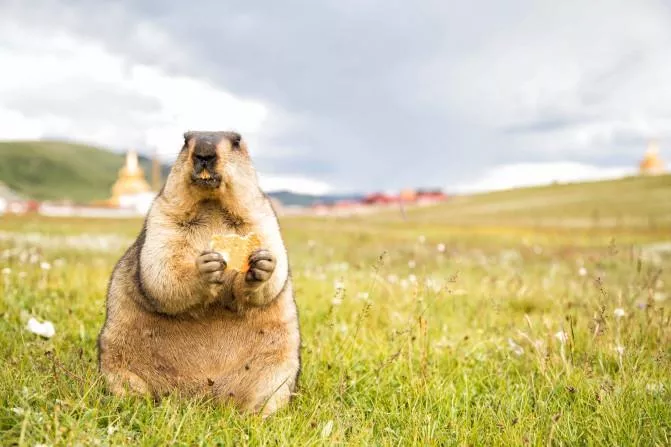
<point x="131" y="180"/>
<point x="652" y="164"/>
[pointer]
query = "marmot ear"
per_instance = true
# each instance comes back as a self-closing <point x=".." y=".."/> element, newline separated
<point x="236" y="140"/>
<point x="187" y="136"/>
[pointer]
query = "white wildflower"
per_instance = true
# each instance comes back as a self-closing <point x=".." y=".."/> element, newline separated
<point x="561" y="336"/>
<point x="45" y="329"/>
<point x="338" y="284"/>
<point x="619" y="313"/>
<point x="412" y="264"/>
<point x="582" y="271"/>
<point x="6" y="271"/>
<point x="441" y="248"/>
<point x="362" y="296"/>
<point x="22" y="275"/>
<point x="659" y="296"/>
<point x="515" y="348"/>
<point x="619" y="349"/>
<point x="655" y="388"/>
<point x="45" y="266"/>
<point x="404" y="283"/>
<point x="412" y="279"/>
<point x="336" y="301"/>
<point x="421" y="239"/>
<point x="392" y="279"/>
<point x="328" y="428"/>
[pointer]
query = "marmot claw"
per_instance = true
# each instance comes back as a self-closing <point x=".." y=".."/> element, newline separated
<point x="261" y="266"/>
<point x="211" y="265"/>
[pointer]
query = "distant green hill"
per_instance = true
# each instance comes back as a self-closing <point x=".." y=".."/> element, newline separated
<point x="632" y="201"/>
<point x="51" y="170"/>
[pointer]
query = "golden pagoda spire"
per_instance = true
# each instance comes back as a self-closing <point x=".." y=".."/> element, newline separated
<point x="652" y="164"/>
<point x="131" y="180"/>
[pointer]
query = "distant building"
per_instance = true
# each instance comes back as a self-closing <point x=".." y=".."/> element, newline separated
<point x="131" y="189"/>
<point x="379" y="198"/>
<point x="652" y="164"/>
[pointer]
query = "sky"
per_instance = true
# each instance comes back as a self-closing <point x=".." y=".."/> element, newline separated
<point x="351" y="96"/>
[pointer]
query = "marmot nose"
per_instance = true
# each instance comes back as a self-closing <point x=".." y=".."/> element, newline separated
<point x="204" y="151"/>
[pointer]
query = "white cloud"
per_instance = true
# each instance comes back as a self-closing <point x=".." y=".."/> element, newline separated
<point x="296" y="184"/>
<point x="532" y="174"/>
<point x="584" y="78"/>
<point x="61" y="85"/>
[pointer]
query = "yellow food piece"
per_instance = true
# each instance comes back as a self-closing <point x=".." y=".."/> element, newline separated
<point x="235" y="249"/>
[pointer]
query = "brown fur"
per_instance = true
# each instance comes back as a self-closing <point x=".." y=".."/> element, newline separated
<point x="177" y="320"/>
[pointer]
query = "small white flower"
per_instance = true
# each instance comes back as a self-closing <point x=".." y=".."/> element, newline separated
<point x="655" y="388"/>
<point x="659" y="296"/>
<point x="22" y="275"/>
<point x="515" y="348"/>
<point x="45" y="266"/>
<point x="619" y="313"/>
<point x="338" y="284"/>
<point x="404" y="283"/>
<point x="561" y="336"/>
<point x="412" y="279"/>
<point x="582" y="271"/>
<point x="421" y="239"/>
<point x="328" y="428"/>
<point x="336" y="301"/>
<point x="412" y="264"/>
<point x="362" y="296"/>
<point x="619" y="349"/>
<point x="441" y="248"/>
<point x="6" y="271"/>
<point x="392" y="279"/>
<point x="45" y="329"/>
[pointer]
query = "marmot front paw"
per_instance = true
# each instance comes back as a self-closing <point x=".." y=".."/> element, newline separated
<point x="261" y="266"/>
<point x="211" y="266"/>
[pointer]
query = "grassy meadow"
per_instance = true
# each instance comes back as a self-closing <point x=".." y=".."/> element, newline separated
<point x="426" y="331"/>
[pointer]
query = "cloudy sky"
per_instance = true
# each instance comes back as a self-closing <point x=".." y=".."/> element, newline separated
<point x="351" y="95"/>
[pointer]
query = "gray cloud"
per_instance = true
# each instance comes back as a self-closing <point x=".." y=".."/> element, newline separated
<point x="386" y="94"/>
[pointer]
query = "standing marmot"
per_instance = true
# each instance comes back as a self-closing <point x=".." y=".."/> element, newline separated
<point x="177" y="319"/>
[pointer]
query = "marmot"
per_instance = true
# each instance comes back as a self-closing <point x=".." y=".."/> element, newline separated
<point x="178" y="321"/>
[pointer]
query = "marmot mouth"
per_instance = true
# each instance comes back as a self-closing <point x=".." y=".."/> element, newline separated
<point x="210" y="182"/>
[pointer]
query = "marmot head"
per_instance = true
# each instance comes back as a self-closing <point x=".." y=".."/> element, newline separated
<point x="211" y="160"/>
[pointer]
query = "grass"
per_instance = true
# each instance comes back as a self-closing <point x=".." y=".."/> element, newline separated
<point x="502" y="335"/>
<point x="640" y="202"/>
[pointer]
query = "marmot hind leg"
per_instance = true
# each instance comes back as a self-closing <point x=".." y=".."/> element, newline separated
<point x="121" y="381"/>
